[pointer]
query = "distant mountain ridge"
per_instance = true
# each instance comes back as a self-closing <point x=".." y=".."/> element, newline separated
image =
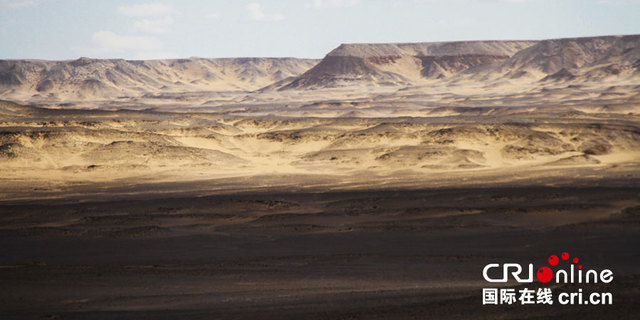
<point x="588" y="56"/>
<point x="413" y="63"/>
<point x="87" y="78"/>
<point x="348" y="65"/>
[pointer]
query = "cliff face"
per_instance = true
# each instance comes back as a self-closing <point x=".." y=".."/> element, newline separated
<point x="575" y="59"/>
<point x="94" y="78"/>
<point x="403" y="63"/>
<point x="431" y="48"/>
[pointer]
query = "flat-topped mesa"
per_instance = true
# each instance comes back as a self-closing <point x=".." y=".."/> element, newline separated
<point x="403" y="63"/>
<point x="570" y="59"/>
<point x="365" y="50"/>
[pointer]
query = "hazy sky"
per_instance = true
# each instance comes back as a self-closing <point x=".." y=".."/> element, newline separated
<point x="67" y="29"/>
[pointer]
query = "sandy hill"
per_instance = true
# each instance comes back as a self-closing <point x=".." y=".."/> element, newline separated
<point x="572" y="58"/>
<point x="69" y="146"/>
<point x="86" y="78"/>
<point x="414" y="63"/>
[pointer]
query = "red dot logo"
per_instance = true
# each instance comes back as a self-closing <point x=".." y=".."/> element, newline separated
<point x="575" y="260"/>
<point x="565" y="256"/>
<point x="545" y="274"/>
<point x="553" y="260"/>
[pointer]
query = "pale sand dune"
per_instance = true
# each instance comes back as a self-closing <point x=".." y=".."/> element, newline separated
<point x="82" y="147"/>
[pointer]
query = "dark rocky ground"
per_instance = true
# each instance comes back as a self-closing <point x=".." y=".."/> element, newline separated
<point x="377" y="254"/>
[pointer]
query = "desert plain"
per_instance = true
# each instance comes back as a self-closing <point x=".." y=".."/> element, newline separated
<point x="375" y="183"/>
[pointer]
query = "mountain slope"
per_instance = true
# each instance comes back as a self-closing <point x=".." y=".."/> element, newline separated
<point x="488" y="64"/>
<point x="86" y="78"/>
<point x="403" y="63"/>
<point x="571" y="59"/>
<point x="551" y="56"/>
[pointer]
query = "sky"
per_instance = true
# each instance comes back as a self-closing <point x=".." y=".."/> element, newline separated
<point x="68" y="29"/>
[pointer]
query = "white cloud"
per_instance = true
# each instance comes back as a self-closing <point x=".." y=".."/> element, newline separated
<point x="106" y="43"/>
<point x="147" y="10"/>
<point x="456" y="23"/>
<point x="618" y="2"/>
<point x="155" y="26"/>
<point x="17" y="4"/>
<point x="256" y="13"/>
<point x="154" y="18"/>
<point x="334" y="3"/>
<point x="150" y="18"/>
<point x="110" y="41"/>
<point x="506" y="1"/>
<point x="212" y="15"/>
